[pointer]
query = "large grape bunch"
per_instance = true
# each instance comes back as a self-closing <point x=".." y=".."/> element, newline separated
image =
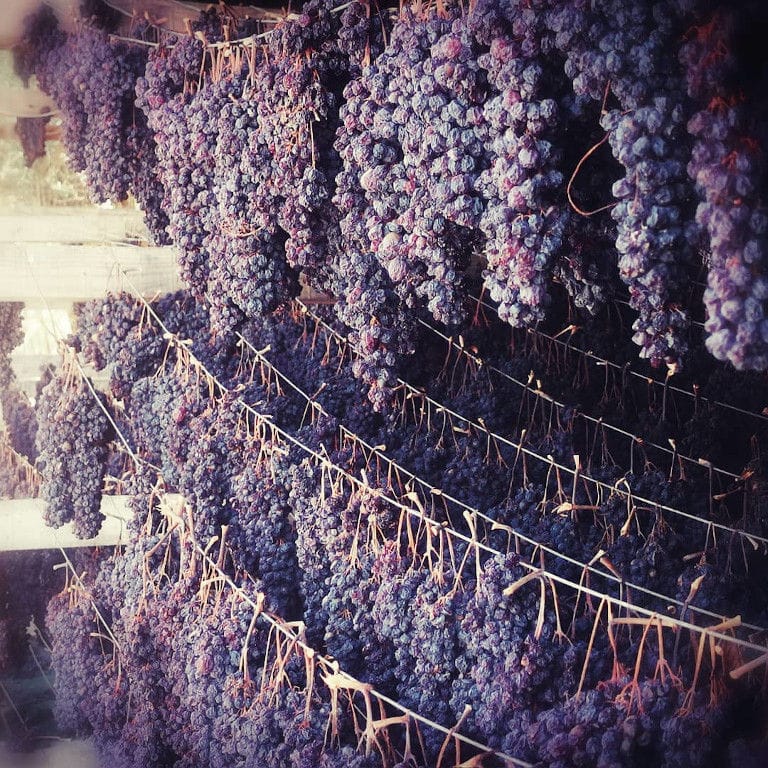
<point x="626" y="52"/>
<point x="512" y="663"/>
<point x="146" y="186"/>
<point x="299" y="87"/>
<point x="90" y="80"/>
<point x="524" y="216"/>
<point x="264" y="540"/>
<point x="72" y="441"/>
<point x="380" y="330"/>
<point x="415" y="105"/>
<point x="77" y="660"/>
<point x="249" y="276"/>
<point x="728" y="166"/>
<point x="139" y="148"/>
<point x="150" y="409"/>
<point x="363" y="33"/>
<point x="184" y="141"/>
<point x="42" y="36"/>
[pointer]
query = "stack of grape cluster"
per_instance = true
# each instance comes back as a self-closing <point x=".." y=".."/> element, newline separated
<point x="564" y="587"/>
<point x="401" y="165"/>
<point x="419" y="529"/>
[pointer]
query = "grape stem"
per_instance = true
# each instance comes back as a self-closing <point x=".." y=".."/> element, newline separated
<point x="576" y="170"/>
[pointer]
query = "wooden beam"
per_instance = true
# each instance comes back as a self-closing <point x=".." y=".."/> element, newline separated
<point x="25" y="102"/>
<point x="73" y="225"/>
<point x="22" y="526"/>
<point x="175" y="15"/>
<point x="39" y="272"/>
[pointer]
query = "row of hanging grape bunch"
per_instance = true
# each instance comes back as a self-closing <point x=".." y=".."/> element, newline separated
<point x="537" y="153"/>
<point x="369" y="552"/>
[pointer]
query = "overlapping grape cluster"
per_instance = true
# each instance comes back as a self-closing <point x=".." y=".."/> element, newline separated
<point x="162" y="95"/>
<point x="151" y="406"/>
<point x="439" y="168"/>
<point x="19" y="420"/>
<point x="525" y="216"/>
<point x="122" y="333"/>
<point x="300" y="88"/>
<point x="92" y="79"/>
<point x="407" y="117"/>
<point x="423" y="617"/>
<point x="249" y="275"/>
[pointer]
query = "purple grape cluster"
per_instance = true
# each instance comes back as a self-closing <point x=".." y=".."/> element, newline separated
<point x="605" y="728"/>
<point x="297" y="121"/>
<point x="146" y="184"/>
<point x="72" y="442"/>
<point x="381" y="331"/>
<point x="118" y="333"/>
<point x="249" y="275"/>
<point x="76" y="659"/>
<point x="20" y="421"/>
<point x="728" y="166"/>
<point x="424" y="211"/>
<point x="652" y="243"/>
<point x="525" y="216"/>
<point x="264" y="537"/>
<point x="385" y="605"/>
<point x="363" y="33"/>
<point x="448" y="140"/>
<point x="91" y="79"/>
<point x="110" y="334"/>
<point x="163" y="97"/>
<point x="513" y="664"/>
<point x="151" y="406"/>
<point x="42" y="35"/>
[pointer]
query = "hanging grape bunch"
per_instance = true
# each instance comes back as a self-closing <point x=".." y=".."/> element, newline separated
<point x="728" y="165"/>
<point x="73" y="444"/>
